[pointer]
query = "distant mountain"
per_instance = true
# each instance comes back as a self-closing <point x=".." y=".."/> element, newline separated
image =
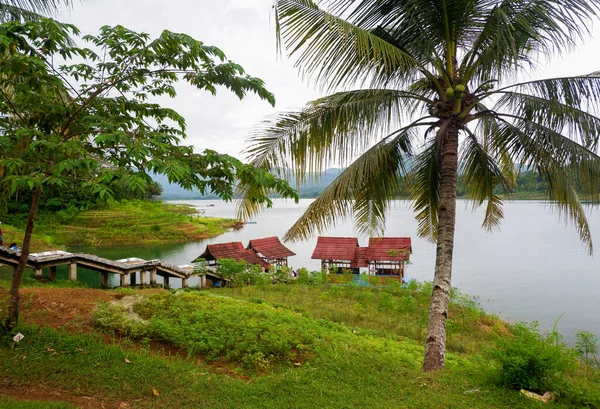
<point x="315" y="184"/>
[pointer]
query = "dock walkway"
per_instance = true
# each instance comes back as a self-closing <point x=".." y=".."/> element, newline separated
<point x="126" y="268"/>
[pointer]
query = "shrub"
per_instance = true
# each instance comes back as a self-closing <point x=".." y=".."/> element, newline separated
<point x="531" y="361"/>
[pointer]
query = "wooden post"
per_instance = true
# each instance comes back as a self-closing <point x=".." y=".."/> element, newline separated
<point x="153" y="276"/>
<point x="184" y="283"/>
<point x="124" y="280"/>
<point x="37" y="273"/>
<point x="52" y="273"/>
<point x="73" y="271"/>
<point x="166" y="285"/>
<point x="143" y="278"/>
<point x="133" y="278"/>
<point x="203" y="281"/>
<point x="104" y="279"/>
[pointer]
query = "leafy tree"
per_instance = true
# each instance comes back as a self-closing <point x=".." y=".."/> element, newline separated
<point x="431" y="71"/>
<point x="90" y="117"/>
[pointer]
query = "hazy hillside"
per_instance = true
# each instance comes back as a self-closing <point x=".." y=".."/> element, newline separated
<point x="314" y="185"/>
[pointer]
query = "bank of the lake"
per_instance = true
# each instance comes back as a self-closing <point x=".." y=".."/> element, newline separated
<point x="533" y="269"/>
<point x="127" y="223"/>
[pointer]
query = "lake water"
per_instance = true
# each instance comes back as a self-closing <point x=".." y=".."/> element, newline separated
<point x="534" y="269"/>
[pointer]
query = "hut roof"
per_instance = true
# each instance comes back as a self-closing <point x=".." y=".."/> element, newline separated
<point x="270" y="247"/>
<point x="389" y="248"/>
<point x="233" y="250"/>
<point x="360" y="257"/>
<point x="335" y="248"/>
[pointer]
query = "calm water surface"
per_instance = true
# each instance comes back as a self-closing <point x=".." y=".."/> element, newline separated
<point x="533" y="269"/>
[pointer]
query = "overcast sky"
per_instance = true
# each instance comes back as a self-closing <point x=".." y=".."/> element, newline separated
<point x="245" y="31"/>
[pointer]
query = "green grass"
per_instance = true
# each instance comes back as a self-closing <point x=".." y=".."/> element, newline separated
<point x="6" y="403"/>
<point x="124" y="223"/>
<point x="282" y="346"/>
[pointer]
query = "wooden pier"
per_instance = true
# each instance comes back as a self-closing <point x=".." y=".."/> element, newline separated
<point x="127" y="268"/>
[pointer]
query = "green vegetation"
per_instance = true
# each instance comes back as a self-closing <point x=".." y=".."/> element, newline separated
<point x="6" y="403"/>
<point x="71" y="117"/>
<point x="120" y="223"/>
<point x="138" y="222"/>
<point x="273" y="346"/>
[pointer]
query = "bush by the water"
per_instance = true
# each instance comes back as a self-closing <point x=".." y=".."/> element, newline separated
<point x="532" y="361"/>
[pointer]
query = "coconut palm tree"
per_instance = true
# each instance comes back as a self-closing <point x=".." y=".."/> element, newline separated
<point x="29" y="9"/>
<point x="435" y="100"/>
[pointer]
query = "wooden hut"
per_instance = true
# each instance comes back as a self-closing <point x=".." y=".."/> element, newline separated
<point x="386" y="256"/>
<point x="339" y="253"/>
<point x="234" y="250"/>
<point x="271" y="250"/>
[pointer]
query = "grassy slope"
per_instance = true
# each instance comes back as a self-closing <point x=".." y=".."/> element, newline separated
<point x="330" y="349"/>
<point x="134" y="222"/>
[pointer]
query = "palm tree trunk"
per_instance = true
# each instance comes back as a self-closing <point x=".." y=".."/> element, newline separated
<point x="435" y="344"/>
<point x="13" y="308"/>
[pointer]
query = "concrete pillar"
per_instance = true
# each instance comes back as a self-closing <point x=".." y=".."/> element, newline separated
<point x="52" y="273"/>
<point x="153" y="276"/>
<point x="143" y="278"/>
<point x="184" y="283"/>
<point x="133" y="278"/>
<point x="166" y="285"/>
<point x="104" y="279"/>
<point x="124" y="280"/>
<point x="37" y="273"/>
<point x="73" y="271"/>
<point x="203" y="281"/>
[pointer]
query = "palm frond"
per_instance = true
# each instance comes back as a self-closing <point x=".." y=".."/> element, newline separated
<point x="363" y="189"/>
<point x="29" y="10"/>
<point x="558" y="116"/>
<point x="573" y="102"/>
<point x="337" y="53"/>
<point x="11" y="13"/>
<point x="425" y="184"/>
<point x="483" y="176"/>
<point x="333" y="129"/>
<point x="565" y="164"/>
<point x="514" y="33"/>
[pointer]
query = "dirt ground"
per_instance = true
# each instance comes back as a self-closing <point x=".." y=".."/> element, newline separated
<point x="69" y="309"/>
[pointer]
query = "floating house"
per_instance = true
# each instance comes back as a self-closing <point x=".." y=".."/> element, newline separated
<point x="234" y="250"/>
<point x="384" y="256"/>
<point x="271" y="250"/>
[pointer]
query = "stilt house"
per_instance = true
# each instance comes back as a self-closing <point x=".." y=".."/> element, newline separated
<point x="271" y="250"/>
<point x="234" y="250"/>
<point x="385" y="256"/>
<point x="339" y="253"/>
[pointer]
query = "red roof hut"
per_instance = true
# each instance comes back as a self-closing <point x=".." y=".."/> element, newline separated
<point x="271" y="250"/>
<point x="383" y="256"/>
<point x="234" y="250"/>
<point x="339" y="253"/>
<point x="387" y="255"/>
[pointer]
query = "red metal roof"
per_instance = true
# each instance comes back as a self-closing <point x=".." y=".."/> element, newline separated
<point x="360" y="257"/>
<point x="389" y="248"/>
<point x="270" y="247"/>
<point x="335" y="248"/>
<point x="233" y="250"/>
